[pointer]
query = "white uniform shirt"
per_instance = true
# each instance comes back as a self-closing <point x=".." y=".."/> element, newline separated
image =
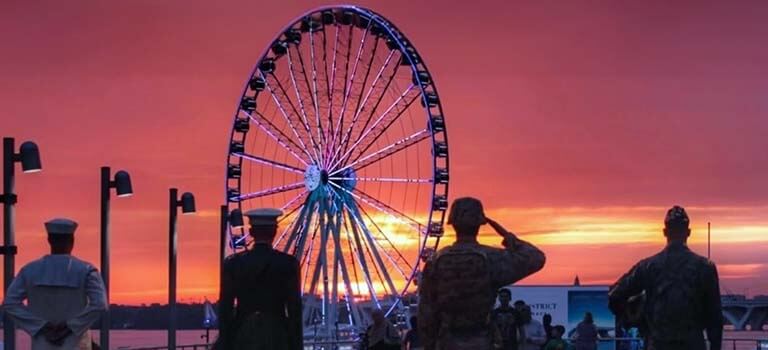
<point x="58" y="288"/>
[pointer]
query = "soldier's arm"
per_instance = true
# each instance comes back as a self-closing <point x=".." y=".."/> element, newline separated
<point x="428" y="321"/>
<point x="226" y="308"/>
<point x="97" y="303"/>
<point x="294" y="307"/>
<point x="519" y="260"/>
<point x="713" y="313"/>
<point x="628" y="285"/>
<point x="14" y="306"/>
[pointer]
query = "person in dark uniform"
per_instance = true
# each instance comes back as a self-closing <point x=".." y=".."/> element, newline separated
<point x="265" y="284"/>
<point x="679" y="294"/>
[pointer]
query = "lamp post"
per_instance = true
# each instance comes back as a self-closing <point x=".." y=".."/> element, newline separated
<point x="234" y="219"/>
<point x="123" y="188"/>
<point x="29" y="157"/>
<point x="187" y="204"/>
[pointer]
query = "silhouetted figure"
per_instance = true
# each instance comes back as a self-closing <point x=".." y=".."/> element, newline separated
<point x="547" y="322"/>
<point x="265" y="284"/>
<point x="507" y="321"/>
<point x="678" y="293"/>
<point x="64" y="294"/>
<point x="557" y="342"/>
<point x="532" y="335"/>
<point x="382" y="335"/>
<point x="412" y="340"/>
<point x="585" y="337"/>
<point x="459" y="282"/>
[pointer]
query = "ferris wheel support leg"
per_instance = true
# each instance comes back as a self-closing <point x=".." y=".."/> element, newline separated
<point x="377" y="257"/>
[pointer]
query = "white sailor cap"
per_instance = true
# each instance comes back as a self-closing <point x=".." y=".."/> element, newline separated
<point x="61" y="226"/>
<point x="263" y="216"/>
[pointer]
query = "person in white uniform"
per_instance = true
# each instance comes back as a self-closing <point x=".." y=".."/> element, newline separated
<point x="65" y="295"/>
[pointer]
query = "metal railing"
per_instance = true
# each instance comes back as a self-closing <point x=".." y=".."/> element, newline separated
<point x="728" y="344"/>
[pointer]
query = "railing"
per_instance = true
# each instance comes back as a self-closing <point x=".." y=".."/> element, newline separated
<point x="728" y="344"/>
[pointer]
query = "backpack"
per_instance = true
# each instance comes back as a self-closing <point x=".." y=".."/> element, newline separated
<point x="465" y="291"/>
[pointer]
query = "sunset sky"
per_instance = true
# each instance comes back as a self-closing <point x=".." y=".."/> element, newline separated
<point x="578" y="123"/>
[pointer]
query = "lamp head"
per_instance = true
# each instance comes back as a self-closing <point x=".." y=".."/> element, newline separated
<point x="187" y="203"/>
<point x="123" y="184"/>
<point x="30" y="157"/>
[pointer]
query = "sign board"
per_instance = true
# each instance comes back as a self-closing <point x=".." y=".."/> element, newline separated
<point x="568" y="304"/>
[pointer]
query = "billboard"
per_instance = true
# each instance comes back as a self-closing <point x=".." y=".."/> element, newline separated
<point x="568" y="304"/>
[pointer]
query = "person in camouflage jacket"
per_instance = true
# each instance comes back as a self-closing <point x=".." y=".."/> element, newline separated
<point x="459" y="282"/>
<point x="676" y="292"/>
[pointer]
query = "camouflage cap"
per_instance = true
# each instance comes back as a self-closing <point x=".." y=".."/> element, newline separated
<point x="676" y="217"/>
<point x="466" y="211"/>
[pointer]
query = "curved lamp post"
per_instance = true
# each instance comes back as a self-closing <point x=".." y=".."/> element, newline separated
<point x="123" y="188"/>
<point x="29" y="157"/>
<point x="187" y="204"/>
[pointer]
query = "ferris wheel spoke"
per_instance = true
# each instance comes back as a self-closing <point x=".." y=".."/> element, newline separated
<point x="268" y="192"/>
<point x="290" y="224"/>
<point x="400" y="256"/>
<point x="382" y="207"/>
<point x="295" y="227"/>
<point x="331" y="83"/>
<point x="302" y="111"/>
<point x="397" y="108"/>
<point x="380" y="179"/>
<point x="349" y="85"/>
<point x="382" y="268"/>
<point x="265" y="125"/>
<point x="280" y="96"/>
<point x="345" y="140"/>
<point x="387" y="151"/>
<point x="265" y="161"/>
<point x="337" y="134"/>
<point x="315" y="101"/>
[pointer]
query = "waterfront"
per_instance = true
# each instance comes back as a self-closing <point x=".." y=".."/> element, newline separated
<point x="123" y="339"/>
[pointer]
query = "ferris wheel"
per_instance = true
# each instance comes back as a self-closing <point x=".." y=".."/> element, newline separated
<point x="340" y="126"/>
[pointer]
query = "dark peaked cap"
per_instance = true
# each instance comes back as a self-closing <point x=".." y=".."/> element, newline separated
<point x="263" y="216"/>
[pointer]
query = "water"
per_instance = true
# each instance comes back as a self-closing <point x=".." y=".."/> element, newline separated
<point x="141" y="338"/>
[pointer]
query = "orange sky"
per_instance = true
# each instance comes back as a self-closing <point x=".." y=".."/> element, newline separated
<point x="577" y="123"/>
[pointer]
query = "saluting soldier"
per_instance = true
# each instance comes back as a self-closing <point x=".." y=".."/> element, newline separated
<point x="265" y="284"/>
<point x="459" y="283"/>
<point x="65" y="295"/>
<point x="676" y="291"/>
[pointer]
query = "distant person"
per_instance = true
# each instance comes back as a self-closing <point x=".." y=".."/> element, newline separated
<point x="382" y="335"/>
<point x="532" y="332"/>
<point x="265" y="284"/>
<point x="507" y="321"/>
<point x="546" y="320"/>
<point x="460" y="281"/>
<point x="556" y="342"/>
<point x="412" y="340"/>
<point x="586" y="336"/>
<point x="65" y="295"/>
<point x="678" y="290"/>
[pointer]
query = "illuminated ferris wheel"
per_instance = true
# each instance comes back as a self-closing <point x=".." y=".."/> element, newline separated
<point x="341" y="127"/>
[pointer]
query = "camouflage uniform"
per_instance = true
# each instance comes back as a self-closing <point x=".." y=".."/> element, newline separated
<point x="458" y="290"/>
<point x="681" y="296"/>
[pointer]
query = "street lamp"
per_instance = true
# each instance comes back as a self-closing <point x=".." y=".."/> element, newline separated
<point x="29" y="157"/>
<point x="123" y="188"/>
<point x="187" y="204"/>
